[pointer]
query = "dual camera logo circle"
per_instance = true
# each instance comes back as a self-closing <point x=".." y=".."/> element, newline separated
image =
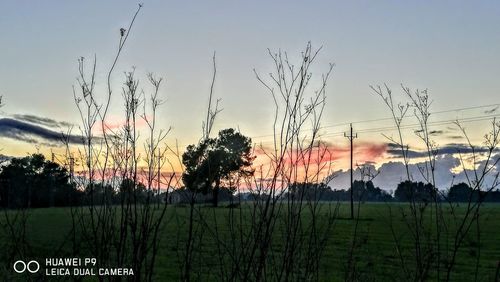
<point x="32" y="266"/>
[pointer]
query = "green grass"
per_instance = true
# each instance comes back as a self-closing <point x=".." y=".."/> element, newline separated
<point x="375" y="256"/>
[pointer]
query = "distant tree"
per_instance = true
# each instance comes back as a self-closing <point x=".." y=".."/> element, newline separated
<point x="309" y="191"/>
<point x="101" y="193"/>
<point x="461" y="193"/>
<point x="366" y="191"/>
<point x="464" y="193"/>
<point x="132" y="192"/>
<point x="414" y="191"/>
<point x="215" y="160"/>
<point x="493" y="196"/>
<point x="33" y="181"/>
<point x="226" y="194"/>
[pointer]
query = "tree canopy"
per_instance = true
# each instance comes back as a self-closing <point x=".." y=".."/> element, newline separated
<point x="414" y="191"/>
<point x="33" y="181"/>
<point x="217" y="160"/>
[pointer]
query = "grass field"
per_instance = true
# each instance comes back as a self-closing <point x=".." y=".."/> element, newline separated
<point x="375" y="255"/>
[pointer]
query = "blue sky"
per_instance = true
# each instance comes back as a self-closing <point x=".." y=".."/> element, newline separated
<point x="449" y="47"/>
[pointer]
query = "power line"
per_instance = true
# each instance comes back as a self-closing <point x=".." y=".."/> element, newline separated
<point x="378" y="129"/>
<point x="390" y="118"/>
<point x="393" y="127"/>
<point x="417" y="125"/>
<point x="407" y="127"/>
<point x="432" y="113"/>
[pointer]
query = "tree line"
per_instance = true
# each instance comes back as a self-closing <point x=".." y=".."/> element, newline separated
<point x="33" y="181"/>
<point x="406" y="191"/>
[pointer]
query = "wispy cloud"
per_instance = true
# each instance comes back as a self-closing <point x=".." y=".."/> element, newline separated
<point x="45" y="121"/>
<point x="436" y="132"/>
<point x="33" y="133"/>
<point x="457" y="137"/>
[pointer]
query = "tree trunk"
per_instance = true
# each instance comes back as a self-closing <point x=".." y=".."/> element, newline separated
<point x="215" y="193"/>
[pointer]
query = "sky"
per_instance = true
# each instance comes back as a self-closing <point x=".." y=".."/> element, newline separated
<point x="447" y="47"/>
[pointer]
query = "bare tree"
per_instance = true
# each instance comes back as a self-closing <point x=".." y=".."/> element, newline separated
<point x="124" y="231"/>
<point x="428" y="223"/>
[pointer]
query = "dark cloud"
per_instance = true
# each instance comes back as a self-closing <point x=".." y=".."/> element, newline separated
<point x="42" y="120"/>
<point x="452" y="128"/>
<point x="432" y="132"/>
<point x="453" y="148"/>
<point x="436" y="132"/>
<point x="31" y="133"/>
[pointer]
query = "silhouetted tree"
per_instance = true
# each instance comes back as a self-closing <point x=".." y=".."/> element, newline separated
<point x="461" y="193"/>
<point x="133" y="192"/>
<point x="366" y="191"/>
<point x="103" y="194"/>
<point x="215" y="160"/>
<point x="33" y="181"/>
<point x="309" y="191"/>
<point x="492" y="196"/>
<point x="414" y="191"/>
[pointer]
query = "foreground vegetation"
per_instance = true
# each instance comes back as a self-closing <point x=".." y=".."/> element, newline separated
<point x="367" y="241"/>
<point x="287" y="232"/>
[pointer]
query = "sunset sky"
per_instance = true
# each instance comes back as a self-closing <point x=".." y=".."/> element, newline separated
<point x="448" y="47"/>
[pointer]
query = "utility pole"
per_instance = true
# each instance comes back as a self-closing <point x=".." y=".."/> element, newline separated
<point x="351" y="137"/>
<point x="71" y="169"/>
<point x="159" y="179"/>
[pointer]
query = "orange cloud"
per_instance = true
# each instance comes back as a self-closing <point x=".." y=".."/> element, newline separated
<point x="114" y="123"/>
<point x="317" y="162"/>
<point x="340" y="154"/>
